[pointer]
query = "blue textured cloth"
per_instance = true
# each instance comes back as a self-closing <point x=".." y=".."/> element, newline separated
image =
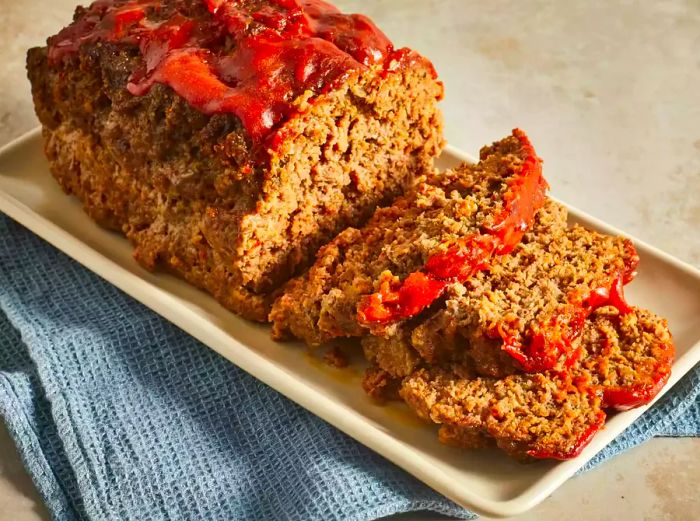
<point x="120" y="415"/>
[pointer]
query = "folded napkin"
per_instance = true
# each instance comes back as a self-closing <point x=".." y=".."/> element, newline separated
<point x="120" y="415"/>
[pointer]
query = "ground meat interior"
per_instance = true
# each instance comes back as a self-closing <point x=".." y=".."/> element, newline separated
<point x="529" y="353"/>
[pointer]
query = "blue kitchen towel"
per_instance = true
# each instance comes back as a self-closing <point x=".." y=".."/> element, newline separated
<point x="120" y="415"/>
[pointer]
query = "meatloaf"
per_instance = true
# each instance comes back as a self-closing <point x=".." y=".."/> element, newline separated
<point x="443" y="230"/>
<point x="525" y="313"/>
<point x="435" y="336"/>
<point x="553" y="414"/>
<point x="228" y="139"/>
<point x="477" y="304"/>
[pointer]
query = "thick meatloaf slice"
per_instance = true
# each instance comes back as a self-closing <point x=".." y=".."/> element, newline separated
<point x="230" y="139"/>
<point x="627" y="355"/>
<point x="436" y="336"/>
<point x="626" y="360"/>
<point x="443" y="230"/>
<point x="527" y="415"/>
<point x="525" y="313"/>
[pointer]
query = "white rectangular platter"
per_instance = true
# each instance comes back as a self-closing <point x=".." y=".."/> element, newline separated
<point x="485" y="481"/>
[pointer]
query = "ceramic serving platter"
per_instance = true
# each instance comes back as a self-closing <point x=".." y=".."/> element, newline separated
<point x="486" y="481"/>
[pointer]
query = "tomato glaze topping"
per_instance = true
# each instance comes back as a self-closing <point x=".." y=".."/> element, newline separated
<point x="248" y="58"/>
<point x="626" y="398"/>
<point x="398" y="300"/>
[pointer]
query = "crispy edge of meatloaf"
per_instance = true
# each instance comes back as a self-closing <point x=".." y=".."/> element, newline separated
<point x="627" y="360"/>
<point x="177" y="182"/>
<point x="441" y="209"/>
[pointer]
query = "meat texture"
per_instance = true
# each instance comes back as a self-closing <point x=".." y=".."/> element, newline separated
<point x="188" y="126"/>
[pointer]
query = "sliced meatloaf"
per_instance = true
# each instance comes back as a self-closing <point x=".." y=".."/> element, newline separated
<point x="525" y="312"/>
<point x="229" y="140"/>
<point x="437" y="336"/>
<point x="554" y="414"/>
<point x="536" y="415"/>
<point x="444" y="230"/>
<point x="627" y="355"/>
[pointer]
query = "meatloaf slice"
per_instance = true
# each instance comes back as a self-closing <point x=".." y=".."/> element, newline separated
<point x="230" y="139"/>
<point x="437" y="336"/>
<point x="627" y="359"/>
<point x="528" y="415"/>
<point x="525" y="313"/>
<point x="628" y="355"/>
<point x="443" y="230"/>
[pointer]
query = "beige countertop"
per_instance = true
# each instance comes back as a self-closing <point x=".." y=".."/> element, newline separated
<point x="609" y="93"/>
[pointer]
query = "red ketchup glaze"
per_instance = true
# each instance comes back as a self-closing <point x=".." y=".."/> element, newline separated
<point x="104" y="20"/>
<point x="626" y="398"/>
<point x="398" y="300"/>
<point x="277" y="52"/>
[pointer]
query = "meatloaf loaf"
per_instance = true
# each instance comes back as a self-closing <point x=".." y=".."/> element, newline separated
<point x="444" y="230"/>
<point x="230" y="139"/>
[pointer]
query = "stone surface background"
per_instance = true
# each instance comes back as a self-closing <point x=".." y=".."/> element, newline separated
<point x="609" y="92"/>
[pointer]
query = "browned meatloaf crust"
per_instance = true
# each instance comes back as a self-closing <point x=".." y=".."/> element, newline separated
<point x="195" y="192"/>
<point x="550" y="273"/>
<point x="627" y="358"/>
<point x="442" y="209"/>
